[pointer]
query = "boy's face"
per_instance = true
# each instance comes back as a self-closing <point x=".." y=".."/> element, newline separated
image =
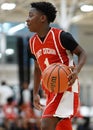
<point x="34" y="20"/>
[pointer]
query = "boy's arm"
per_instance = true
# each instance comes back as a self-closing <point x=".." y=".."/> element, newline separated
<point x="79" y="51"/>
<point x="37" y="79"/>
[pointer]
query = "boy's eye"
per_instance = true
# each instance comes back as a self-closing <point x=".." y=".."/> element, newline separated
<point x="30" y="15"/>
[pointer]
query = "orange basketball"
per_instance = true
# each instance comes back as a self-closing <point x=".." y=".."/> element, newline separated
<point x="55" y="78"/>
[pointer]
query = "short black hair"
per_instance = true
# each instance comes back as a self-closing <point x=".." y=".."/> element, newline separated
<point x="47" y="8"/>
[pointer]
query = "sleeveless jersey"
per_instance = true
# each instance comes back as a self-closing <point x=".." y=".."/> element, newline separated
<point x="50" y="50"/>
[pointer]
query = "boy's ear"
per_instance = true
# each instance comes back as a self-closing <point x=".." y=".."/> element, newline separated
<point x="43" y="18"/>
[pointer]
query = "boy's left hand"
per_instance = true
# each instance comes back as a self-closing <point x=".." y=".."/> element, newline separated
<point x="72" y="76"/>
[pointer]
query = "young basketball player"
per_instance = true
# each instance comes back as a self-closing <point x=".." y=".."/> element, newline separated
<point x="51" y="45"/>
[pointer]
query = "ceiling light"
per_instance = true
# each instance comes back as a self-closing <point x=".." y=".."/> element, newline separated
<point x="8" y="6"/>
<point x="9" y="51"/>
<point x="76" y="18"/>
<point x="86" y="8"/>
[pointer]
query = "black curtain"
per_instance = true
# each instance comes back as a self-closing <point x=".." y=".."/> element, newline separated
<point x="23" y="60"/>
<point x="20" y="60"/>
<point x="23" y="64"/>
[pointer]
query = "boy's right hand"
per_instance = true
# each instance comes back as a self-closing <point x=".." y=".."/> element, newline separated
<point x="36" y="102"/>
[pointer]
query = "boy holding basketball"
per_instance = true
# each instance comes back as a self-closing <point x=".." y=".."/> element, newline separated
<point x="52" y="45"/>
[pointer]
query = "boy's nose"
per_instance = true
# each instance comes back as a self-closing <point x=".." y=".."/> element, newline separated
<point x="27" y="19"/>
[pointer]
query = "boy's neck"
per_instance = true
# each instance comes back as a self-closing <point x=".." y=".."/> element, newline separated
<point x="43" y="32"/>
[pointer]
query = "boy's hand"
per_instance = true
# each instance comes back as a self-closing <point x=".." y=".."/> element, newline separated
<point x="36" y="102"/>
<point x="72" y="76"/>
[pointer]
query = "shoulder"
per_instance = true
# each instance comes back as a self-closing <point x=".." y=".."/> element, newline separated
<point x="56" y="29"/>
<point x="68" y="41"/>
<point x="66" y="34"/>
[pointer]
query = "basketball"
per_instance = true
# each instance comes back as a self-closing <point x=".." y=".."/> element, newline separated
<point x="54" y="77"/>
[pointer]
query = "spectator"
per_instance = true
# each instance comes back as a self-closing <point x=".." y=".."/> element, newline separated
<point x="26" y="94"/>
<point x="11" y="113"/>
<point x="5" y="92"/>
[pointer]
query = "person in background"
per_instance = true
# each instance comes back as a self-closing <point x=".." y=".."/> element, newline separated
<point x="11" y="113"/>
<point x="52" y="45"/>
<point x="5" y="92"/>
<point x="26" y="94"/>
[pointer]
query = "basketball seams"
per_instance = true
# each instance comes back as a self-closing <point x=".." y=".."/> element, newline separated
<point x="52" y="77"/>
<point x="65" y="70"/>
<point x="46" y="69"/>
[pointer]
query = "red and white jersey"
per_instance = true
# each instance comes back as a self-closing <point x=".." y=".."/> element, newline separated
<point x="50" y="50"/>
